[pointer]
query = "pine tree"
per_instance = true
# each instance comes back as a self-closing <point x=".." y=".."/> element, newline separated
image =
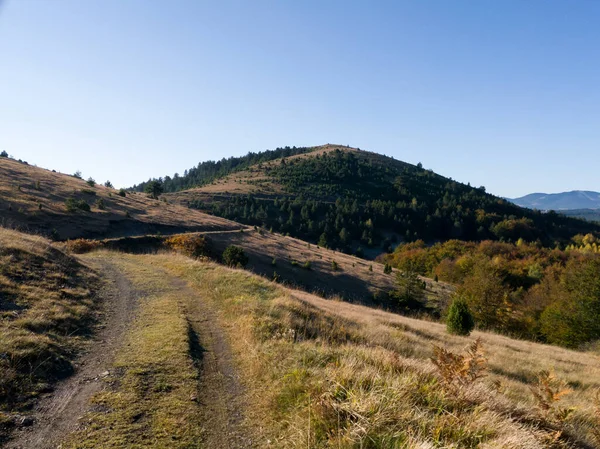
<point x="460" y="321"/>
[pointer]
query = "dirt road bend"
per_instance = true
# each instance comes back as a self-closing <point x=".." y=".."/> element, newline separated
<point x="57" y="414"/>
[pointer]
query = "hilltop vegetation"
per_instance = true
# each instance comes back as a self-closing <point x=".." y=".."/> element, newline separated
<point x="207" y="172"/>
<point x="362" y="202"/>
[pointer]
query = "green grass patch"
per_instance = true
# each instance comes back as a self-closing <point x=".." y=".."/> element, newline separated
<point x="152" y="403"/>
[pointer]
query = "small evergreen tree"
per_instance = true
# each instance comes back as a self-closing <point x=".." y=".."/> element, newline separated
<point x="4" y="154"/>
<point x="91" y="182"/>
<point x="122" y="193"/>
<point x="409" y="289"/>
<point x="334" y="265"/>
<point x="234" y="256"/>
<point x="323" y="241"/>
<point x="460" y="321"/>
<point x="77" y="174"/>
<point x="387" y="268"/>
<point x="108" y="184"/>
<point x="154" y="188"/>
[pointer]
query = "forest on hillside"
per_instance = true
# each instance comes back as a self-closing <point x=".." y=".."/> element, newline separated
<point x="352" y="201"/>
<point x="520" y="289"/>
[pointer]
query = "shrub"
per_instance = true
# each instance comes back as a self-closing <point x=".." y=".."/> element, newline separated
<point x="4" y="154"/>
<point x="74" y="205"/>
<point x="459" y="371"/>
<point x="122" y="193"/>
<point x="91" y="182"/>
<point x="460" y="320"/>
<point x="80" y="246"/>
<point x="100" y="204"/>
<point x="307" y="265"/>
<point x="547" y="392"/>
<point x="234" y="256"/>
<point x="108" y="184"/>
<point x="189" y="244"/>
<point x="334" y="265"/>
<point x="77" y="174"/>
<point x="387" y="268"/>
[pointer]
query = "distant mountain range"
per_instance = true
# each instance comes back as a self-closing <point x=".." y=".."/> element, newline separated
<point x="577" y="199"/>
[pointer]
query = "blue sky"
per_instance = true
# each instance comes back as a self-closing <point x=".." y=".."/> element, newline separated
<point x="504" y="94"/>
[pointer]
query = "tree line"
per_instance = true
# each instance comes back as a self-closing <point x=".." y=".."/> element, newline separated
<point x="522" y="288"/>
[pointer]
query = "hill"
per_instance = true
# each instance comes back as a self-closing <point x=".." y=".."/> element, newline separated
<point x="363" y="202"/>
<point x="583" y="214"/>
<point x="135" y="346"/>
<point x="577" y="199"/>
<point x="208" y="356"/>
<point x="63" y="206"/>
<point x="35" y="200"/>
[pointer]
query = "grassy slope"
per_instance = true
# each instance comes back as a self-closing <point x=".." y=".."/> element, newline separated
<point x="46" y="309"/>
<point x="353" y="280"/>
<point x="24" y="188"/>
<point x="321" y="373"/>
<point x="335" y="375"/>
<point x="272" y="254"/>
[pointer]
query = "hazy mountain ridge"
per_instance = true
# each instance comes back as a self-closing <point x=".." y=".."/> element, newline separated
<point x="576" y="199"/>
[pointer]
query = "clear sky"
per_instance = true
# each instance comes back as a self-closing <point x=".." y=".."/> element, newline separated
<point x="504" y="94"/>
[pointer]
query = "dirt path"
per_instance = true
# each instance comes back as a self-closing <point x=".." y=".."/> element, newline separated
<point x="58" y="414"/>
<point x="220" y="391"/>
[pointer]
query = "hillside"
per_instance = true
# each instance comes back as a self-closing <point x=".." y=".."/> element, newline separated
<point x="211" y="357"/>
<point x="584" y="214"/>
<point x="47" y="311"/>
<point x="187" y="352"/>
<point x="577" y="199"/>
<point x="35" y="199"/>
<point x="363" y="202"/>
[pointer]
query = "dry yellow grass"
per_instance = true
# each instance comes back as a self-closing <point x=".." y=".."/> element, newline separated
<point x="322" y="373"/>
<point x="33" y="199"/>
<point x="330" y="374"/>
<point x="353" y="279"/>
<point x="46" y="310"/>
